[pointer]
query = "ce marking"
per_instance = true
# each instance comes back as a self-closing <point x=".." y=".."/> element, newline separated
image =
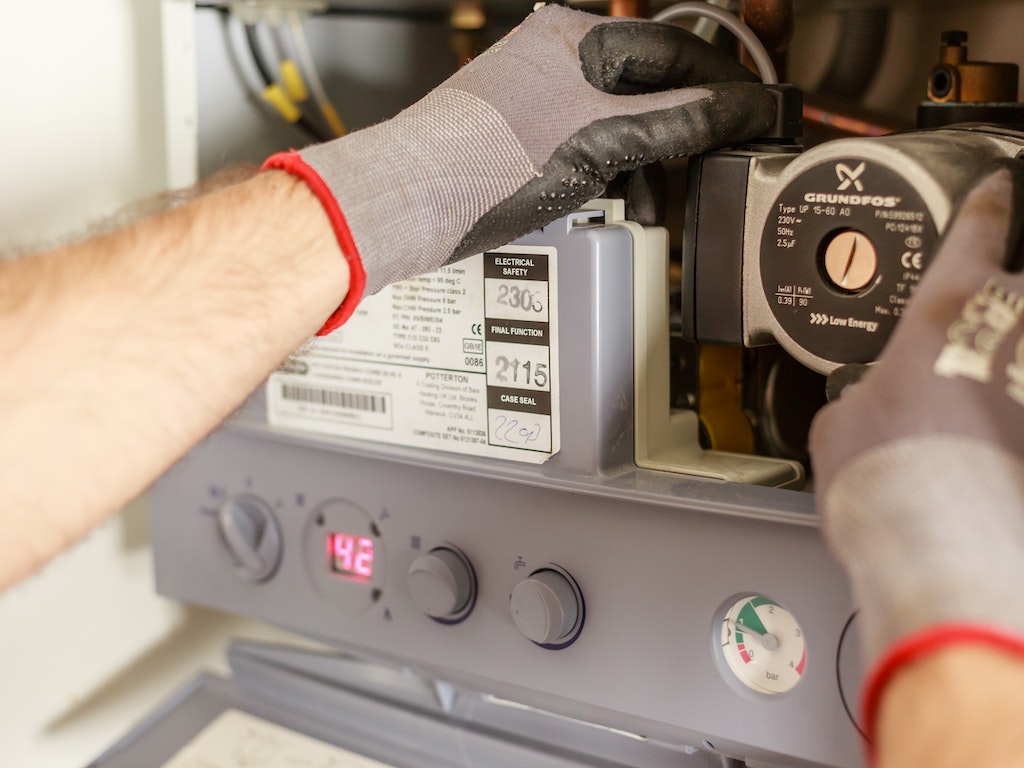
<point x="477" y="329"/>
<point x="912" y="260"/>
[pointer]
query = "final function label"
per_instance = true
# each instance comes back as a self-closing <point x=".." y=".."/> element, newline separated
<point x="464" y="359"/>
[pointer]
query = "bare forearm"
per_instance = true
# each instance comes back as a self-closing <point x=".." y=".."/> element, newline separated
<point x="960" y="707"/>
<point x="121" y="352"/>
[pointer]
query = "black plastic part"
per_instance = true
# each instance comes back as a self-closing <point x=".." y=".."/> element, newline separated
<point x="941" y="82"/>
<point x="688" y="287"/>
<point x="842" y="377"/>
<point x="789" y="107"/>
<point x="954" y="37"/>
<point x="939" y="115"/>
<point x="712" y="291"/>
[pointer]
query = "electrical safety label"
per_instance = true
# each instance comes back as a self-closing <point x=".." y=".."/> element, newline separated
<point x="464" y="359"/>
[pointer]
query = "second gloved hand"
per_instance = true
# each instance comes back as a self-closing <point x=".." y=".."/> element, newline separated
<point x="523" y="134"/>
<point x="919" y="467"/>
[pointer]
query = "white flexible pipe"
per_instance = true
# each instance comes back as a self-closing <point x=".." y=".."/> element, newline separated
<point x="744" y="34"/>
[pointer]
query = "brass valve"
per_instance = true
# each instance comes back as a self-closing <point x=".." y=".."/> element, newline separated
<point x="956" y="79"/>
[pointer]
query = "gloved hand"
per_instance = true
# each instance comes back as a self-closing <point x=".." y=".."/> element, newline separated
<point x="523" y="134"/>
<point x="919" y="467"/>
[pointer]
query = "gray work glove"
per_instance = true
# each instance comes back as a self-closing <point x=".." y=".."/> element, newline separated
<point x="919" y="467"/>
<point x="526" y="132"/>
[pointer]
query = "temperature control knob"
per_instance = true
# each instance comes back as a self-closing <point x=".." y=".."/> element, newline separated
<point x="249" y="532"/>
<point x="442" y="584"/>
<point x="547" y="607"/>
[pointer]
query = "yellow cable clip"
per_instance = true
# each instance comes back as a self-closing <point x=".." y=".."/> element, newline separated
<point x="293" y="82"/>
<point x="275" y="96"/>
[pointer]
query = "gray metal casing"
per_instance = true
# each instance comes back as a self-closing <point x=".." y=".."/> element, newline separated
<point x="658" y="555"/>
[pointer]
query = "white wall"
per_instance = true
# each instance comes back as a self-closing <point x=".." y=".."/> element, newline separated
<point x="82" y="135"/>
<point x="82" y="112"/>
<point x="86" y="647"/>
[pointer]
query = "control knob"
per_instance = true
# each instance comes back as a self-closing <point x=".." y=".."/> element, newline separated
<point x="249" y="532"/>
<point x="547" y="607"/>
<point x="442" y="584"/>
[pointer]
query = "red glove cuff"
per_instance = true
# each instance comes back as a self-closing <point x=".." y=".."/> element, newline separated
<point x="913" y="648"/>
<point x="292" y="162"/>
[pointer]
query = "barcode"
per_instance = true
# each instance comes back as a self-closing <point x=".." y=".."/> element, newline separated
<point x="356" y="401"/>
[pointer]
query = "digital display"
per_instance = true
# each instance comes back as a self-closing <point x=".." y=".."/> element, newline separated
<point x="350" y="556"/>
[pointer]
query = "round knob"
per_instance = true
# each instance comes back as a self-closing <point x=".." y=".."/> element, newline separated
<point x="250" y="533"/>
<point x="545" y="607"/>
<point x="851" y="261"/>
<point x="442" y="584"/>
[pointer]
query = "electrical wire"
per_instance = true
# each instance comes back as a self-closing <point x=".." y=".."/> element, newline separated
<point x="705" y="27"/>
<point x="287" y="70"/>
<point x="743" y="33"/>
<point x="298" y="34"/>
<point x="274" y="94"/>
<point x="252" y="38"/>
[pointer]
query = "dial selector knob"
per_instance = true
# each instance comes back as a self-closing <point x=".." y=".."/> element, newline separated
<point x="851" y="261"/>
<point x="442" y="584"/>
<point x="547" y="607"/>
<point x="251" y="536"/>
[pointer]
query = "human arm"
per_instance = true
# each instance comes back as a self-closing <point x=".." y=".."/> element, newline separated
<point x="121" y="352"/>
<point x="920" y="487"/>
<point x="957" y="707"/>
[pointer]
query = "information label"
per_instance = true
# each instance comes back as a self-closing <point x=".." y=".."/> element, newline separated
<point x="236" y="739"/>
<point x="464" y="359"/>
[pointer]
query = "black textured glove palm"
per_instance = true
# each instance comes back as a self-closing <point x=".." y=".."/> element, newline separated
<point x="529" y="130"/>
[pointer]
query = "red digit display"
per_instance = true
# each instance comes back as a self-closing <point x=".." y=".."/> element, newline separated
<point x="350" y="556"/>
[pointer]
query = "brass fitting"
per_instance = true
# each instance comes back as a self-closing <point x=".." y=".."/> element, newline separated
<point x="956" y="79"/>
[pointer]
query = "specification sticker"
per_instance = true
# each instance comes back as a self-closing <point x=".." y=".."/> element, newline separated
<point x="464" y="359"/>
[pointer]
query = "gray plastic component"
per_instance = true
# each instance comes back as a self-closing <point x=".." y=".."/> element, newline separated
<point x="544" y="607"/>
<point x="441" y="583"/>
<point x="657" y="554"/>
<point x="388" y="714"/>
<point x="251" y="536"/>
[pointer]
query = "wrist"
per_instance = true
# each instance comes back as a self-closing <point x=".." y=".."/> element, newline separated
<point x="945" y="696"/>
<point x="292" y="163"/>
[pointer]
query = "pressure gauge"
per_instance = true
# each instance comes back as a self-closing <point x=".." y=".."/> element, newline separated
<point x="763" y="645"/>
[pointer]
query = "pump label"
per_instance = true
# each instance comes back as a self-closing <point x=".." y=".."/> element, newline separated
<point x="463" y="359"/>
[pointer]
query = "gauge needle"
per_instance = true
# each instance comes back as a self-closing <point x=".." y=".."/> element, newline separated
<point x="849" y="260"/>
<point x="768" y="641"/>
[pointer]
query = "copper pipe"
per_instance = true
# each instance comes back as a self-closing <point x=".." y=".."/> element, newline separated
<point x="829" y="118"/>
<point x="772" y="22"/>
<point x="640" y="9"/>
